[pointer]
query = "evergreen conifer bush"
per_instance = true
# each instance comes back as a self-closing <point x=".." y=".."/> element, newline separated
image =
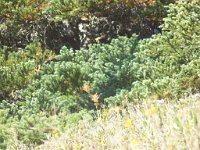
<point x="18" y="69"/>
<point x="32" y="129"/>
<point x="165" y="65"/>
<point x="169" y="62"/>
<point x="105" y="68"/>
<point x="56" y="93"/>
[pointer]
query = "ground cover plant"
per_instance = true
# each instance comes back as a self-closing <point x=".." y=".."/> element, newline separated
<point x="154" y="124"/>
<point x="44" y="95"/>
<point x="168" y="63"/>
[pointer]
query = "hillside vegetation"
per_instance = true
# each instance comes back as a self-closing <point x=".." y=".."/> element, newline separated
<point x="154" y="124"/>
<point x="125" y="91"/>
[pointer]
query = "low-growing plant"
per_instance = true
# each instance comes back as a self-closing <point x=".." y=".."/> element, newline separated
<point x="18" y="69"/>
<point x="33" y="129"/>
<point x="168" y="63"/>
<point x="105" y="68"/>
<point x="153" y="124"/>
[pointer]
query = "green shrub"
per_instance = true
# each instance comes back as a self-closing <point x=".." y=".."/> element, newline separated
<point x="164" y="66"/>
<point x="55" y="93"/>
<point x="105" y="68"/>
<point x="18" y="69"/>
<point x="32" y="130"/>
<point x="169" y="62"/>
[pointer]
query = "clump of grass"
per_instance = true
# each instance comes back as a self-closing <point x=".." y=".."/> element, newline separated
<point x="154" y="124"/>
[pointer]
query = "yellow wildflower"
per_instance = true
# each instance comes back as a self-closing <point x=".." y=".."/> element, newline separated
<point x="128" y="123"/>
<point x="151" y="111"/>
<point x="134" y="142"/>
<point x="154" y="110"/>
<point x="54" y="131"/>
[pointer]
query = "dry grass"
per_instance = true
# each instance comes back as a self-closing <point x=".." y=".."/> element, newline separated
<point x="155" y="124"/>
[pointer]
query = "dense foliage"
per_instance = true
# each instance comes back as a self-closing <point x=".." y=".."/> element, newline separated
<point x="151" y="125"/>
<point x="169" y="62"/>
<point x="76" y="23"/>
<point x="18" y="69"/>
<point x="104" y="68"/>
<point x="43" y="93"/>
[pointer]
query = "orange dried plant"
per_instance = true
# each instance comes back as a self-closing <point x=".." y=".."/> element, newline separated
<point x="86" y="88"/>
<point x="95" y="98"/>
